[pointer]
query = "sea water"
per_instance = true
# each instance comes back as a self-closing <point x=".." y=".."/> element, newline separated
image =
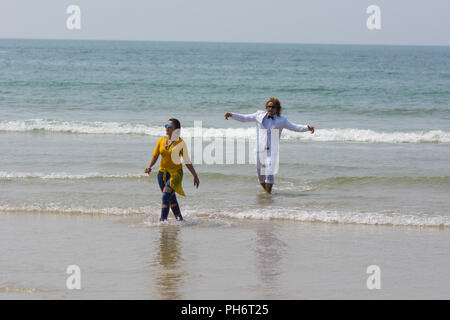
<point x="79" y="121"/>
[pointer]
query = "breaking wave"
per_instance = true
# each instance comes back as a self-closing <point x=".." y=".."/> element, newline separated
<point x="322" y="216"/>
<point x="126" y="128"/>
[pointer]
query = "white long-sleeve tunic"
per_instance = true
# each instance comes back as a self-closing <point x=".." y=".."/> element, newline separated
<point x="267" y="148"/>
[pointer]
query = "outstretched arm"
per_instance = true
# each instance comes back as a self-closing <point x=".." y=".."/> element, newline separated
<point x="297" y="127"/>
<point x="241" y="117"/>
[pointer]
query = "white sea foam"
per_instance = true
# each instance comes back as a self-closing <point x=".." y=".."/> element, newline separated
<point x="58" y="208"/>
<point x="82" y="127"/>
<point x="327" y="216"/>
<point x="66" y="176"/>
<point x="359" y="135"/>
<point x="121" y="128"/>
<point x="323" y="216"/>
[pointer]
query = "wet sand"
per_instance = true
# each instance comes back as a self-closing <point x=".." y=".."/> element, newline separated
<point x="132" y="257"/>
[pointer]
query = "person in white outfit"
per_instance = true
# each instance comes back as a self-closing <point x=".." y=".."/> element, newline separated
<point x="269" y="123"/>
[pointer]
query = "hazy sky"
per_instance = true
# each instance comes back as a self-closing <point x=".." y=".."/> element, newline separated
<point x="416" y="22"/>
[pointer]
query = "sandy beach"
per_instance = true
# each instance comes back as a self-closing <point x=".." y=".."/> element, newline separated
<point x="134" y="257"/>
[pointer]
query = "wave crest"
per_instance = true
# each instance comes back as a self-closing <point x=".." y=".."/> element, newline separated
<point x="322" y="216"/>
<point x="125" y="128"/>
<point x="67" y="176"/>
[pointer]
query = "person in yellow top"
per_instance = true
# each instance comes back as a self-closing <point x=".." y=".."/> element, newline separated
<point x="170" y="173"/>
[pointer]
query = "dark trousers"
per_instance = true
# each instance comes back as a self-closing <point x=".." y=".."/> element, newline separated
<point x="169" y="199"/>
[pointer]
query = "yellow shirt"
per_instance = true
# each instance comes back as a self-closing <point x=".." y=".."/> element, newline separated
<point x="170" y="161"/>
<point x="170" y="156"/>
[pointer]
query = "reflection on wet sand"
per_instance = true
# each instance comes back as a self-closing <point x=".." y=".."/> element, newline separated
<point x="269" y="253"/>
<point x="169" y="276"/>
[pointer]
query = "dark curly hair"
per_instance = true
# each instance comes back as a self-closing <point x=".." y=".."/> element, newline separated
<point x="276" y="103"/>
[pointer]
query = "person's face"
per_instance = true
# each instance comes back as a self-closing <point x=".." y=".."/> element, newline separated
<point x="271" y="109"/>
<point x="170" y="127"/>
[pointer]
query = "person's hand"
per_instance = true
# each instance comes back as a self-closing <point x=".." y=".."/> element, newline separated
<point x="148" y="170"/>
<point x="227" y="115"/>
<point x="196" y="182"/>
<point x="311" y="128"/>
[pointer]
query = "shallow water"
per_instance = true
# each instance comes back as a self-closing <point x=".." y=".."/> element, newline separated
<point x="79" y="120"/>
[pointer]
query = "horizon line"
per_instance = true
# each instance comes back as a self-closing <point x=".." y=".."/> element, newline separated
<point x="234" y="42"/>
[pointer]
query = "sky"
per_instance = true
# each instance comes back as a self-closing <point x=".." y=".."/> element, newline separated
<point x="403" y="22"/>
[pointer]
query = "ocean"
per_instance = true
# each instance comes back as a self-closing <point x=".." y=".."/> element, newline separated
<point x="79" y="121"/>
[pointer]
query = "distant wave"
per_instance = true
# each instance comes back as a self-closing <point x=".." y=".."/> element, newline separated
<point x="398" y="111"/>
<point x="344" y="180"/>
<point x="322" y="216"/>
<point x="124" y="128"/>
<point x="67" y="176"/>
